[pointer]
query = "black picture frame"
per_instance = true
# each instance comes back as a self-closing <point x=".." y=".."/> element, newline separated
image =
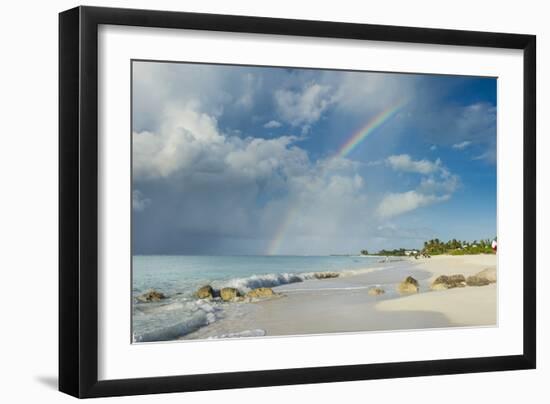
<point x="78" y="201"/>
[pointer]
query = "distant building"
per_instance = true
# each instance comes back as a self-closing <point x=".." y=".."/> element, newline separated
<point x="410" y="252"/>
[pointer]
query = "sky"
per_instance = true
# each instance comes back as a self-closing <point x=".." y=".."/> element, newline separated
<point x="247" y="160"/>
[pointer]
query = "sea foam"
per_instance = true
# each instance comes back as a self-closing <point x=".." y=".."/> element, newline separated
<point x="174" y="320"/>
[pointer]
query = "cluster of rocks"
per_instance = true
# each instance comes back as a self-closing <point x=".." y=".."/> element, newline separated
<point x="229" y="294"/>
<point x="151" y="296"/>
<point x="443" y="282"/>
<point x="408" y="285"/>
<point x="485" y="277"/>
<point x="208" y="292"/>
<point x="233" y="294"/>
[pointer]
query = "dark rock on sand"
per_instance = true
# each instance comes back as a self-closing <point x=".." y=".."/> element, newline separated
<point x="477" y="281"/>
<point x="326" y="275"/>
<point x="151" y="296"/>
<point x="488" y="273"/>
<point x="409" y="285"/>
<point x="229" y="294"/>
<point x="376" y="291"/>
<point x="205" y="292"/>
<point x="260" y="293"/>
<point x="448" y="282"/>
<point x="457" y="278"/>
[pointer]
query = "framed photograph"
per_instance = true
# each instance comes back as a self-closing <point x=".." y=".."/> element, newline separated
<point x="250" y="201"/>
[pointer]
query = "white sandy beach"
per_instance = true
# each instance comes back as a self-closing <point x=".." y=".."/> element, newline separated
<point x="343" y="304"/>
<point x="469" y="306"/>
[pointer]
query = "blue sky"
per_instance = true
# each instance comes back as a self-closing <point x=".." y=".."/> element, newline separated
<point x="245" y="160"/>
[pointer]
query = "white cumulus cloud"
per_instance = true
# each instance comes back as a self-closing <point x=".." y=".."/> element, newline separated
<point x="272" y="124"/>
<point x="404" y="162"/>
<point x="394" y="204"/>
<point x="437" y="184"/>
<point x="462" y="145"/>
<point x="185" y="134"/>
<point x="303" y="107"/>
<point x="190" y="143"/>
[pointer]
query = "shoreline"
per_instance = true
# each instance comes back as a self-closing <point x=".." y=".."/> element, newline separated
<point x="343" y="305"/>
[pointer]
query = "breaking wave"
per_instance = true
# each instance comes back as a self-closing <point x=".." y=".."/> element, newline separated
<point x="278" y="279"/>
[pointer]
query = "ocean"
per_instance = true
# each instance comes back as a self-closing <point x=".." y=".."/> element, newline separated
<point x="178" y="277"/>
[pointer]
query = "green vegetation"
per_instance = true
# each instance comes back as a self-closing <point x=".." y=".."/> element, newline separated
<point x="457" y="247"/>
<point x="398" y="252"/>
<point x="437" y="247"/>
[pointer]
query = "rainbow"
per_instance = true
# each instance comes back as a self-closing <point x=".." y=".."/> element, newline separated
<point x="278" y="237"/>
<point x="344" y="150"/>
<point x="355" y="140"/>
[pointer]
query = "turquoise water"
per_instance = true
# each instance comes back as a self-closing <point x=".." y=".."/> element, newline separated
<point x="184" y="274"/>
<point x="180" y="276"/>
